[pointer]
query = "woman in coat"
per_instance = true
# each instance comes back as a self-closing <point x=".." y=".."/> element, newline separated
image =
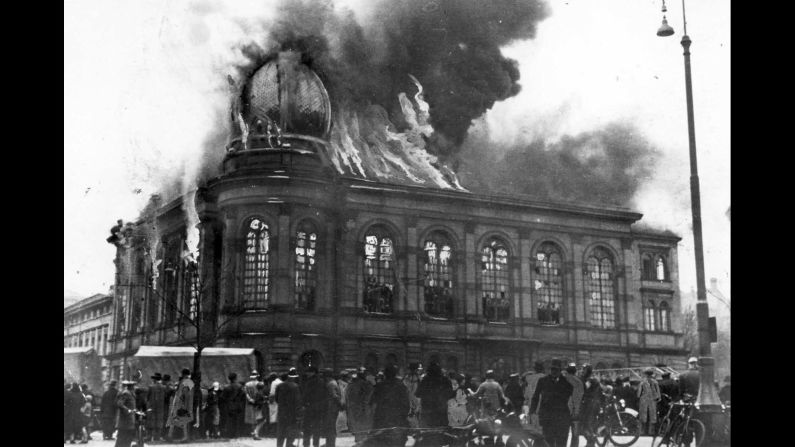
<point x="434" y="391"/>
<point x="457" y="406"/>
<point x="181" y="411"/>
<point x="649" y="395"/>
<point x="390" y="400"/>
<point x="73" y="418"/>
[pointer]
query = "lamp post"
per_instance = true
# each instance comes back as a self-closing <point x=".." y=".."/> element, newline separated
<point x="708" y="401"/>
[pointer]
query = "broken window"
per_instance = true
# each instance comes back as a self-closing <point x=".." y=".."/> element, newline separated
<point x="650" y="316"/>
<point x="600" y="288"/>
<point x="665" y="317"/>
<point x="548" y="284"/>
<point x="438" y="290"/>
<point x="191" y="290"/>
<point x="379" y="273"/>
<point x="494" y="281"/>
<point x="171" y="268"/>
<point x="256" y="280"/>
<point x="305" y="266"/>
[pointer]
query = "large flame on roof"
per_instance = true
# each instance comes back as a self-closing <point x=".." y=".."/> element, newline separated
<point x="366" y="144"/>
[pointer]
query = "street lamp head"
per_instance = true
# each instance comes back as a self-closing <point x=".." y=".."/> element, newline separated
<point x="665" y="30"/>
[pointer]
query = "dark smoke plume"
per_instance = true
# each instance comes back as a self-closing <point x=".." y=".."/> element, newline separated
<point x="451" y="46"/>
<point x="604" y="166"/>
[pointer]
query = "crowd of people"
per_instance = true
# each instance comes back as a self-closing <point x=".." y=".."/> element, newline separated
<point x="321" y="404"/>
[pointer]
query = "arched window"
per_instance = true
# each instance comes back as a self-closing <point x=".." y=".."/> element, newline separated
<point x="190" y="289"/>
<point x="379" y="271"/>
<point x="256" y="279"/>
<point x="600" y="288"/>
<point x="305" y="266"/>
<point x="494" y="281"/>
<point x="665" y="317"/>
<point x="647" y="266"/>
<point x="438" y="290"/>
<point x="650" y="316"/>
<point x="310" y="358"/>
<point x="548" y="284"/>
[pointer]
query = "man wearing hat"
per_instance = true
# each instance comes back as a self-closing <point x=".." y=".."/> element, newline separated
<point x="390" y="400"/>
<point x="514" y="392"/>
<point x="180" y="414"/>
<point x="108" y="410"/>
<point x="288" y="399"/>
<point x="648" y="395"/>
<point x="156" y="398"/>
<point x="575" y="402"/>
<point x="314" y="395"/>
<point x="125" y="422"/>
<point x="553" y="392"/>
<point x="689" y="380"/>
<point x="357" y="398"/>
<point x="250" y="390"/>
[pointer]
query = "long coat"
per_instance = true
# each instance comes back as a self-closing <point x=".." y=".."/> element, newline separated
<point x="314" y="395"/>
<point x="649" y="395"/>
<point x="181" y="411"/>
<point x="288" y="399"/>
<point x="551" y="399"/>
<point x="391" y="401"/>
<point x="250" y="389"/>
<point x="108" y="406"/>
<point x="156" y="398"/>
<point x="125" y="402"/>
<point x="73" y="418"/>
<point x="357" y="398"/>
<point x="434" y="391"/>
<point x="333" y="407"/>
<point x="412" y="381"/>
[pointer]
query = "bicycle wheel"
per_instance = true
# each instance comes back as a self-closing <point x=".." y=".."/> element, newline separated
<point x="623" y="429"/>
<point x="690" y="434"/>
<point x="662" y="436"/>
<point x="525" y="441"/>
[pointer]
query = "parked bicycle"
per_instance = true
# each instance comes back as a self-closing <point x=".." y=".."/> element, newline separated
<point x="679" y="427"/>
<point x="140" y="427"/>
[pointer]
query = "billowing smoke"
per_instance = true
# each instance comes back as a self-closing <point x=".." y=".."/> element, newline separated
<point x="451" y="46"/>
<point x="602" y="166"/>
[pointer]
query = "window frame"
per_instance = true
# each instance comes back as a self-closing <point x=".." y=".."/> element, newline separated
<point x="493" y="243"/>
<point x="601" y="254"/>
<point x="308" y="296"/>
<point x="385" y="269"/>
<point x="255" y="289"/>
<point x="549" y="248"/>
<point x="443" y="275"/>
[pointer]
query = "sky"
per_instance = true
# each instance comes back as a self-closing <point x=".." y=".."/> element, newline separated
<point x="144" y="81"/>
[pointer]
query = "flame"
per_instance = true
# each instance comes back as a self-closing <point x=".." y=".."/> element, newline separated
<point x="192" y="221"/>
<point x="365" y="144"/>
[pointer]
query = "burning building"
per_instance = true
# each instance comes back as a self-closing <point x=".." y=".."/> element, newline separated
<point x="349" y="244"/>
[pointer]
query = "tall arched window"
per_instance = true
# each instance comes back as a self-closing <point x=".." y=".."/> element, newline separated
<point x="650" y="316"/>
<point x="548" y="284"/>
<point x="654" y="267"/>
<point x="438" y="290"/>
<point x="379" y="271"/>
<point x="256" y="279"/>
<point x="600" y="288"/>
<point x="305" y="266"/>
<point x="660" y="270"/>
<point x="494" y="281"/>
<point x="665" y="317"/>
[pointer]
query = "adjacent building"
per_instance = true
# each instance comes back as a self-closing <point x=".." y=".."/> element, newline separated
<point x="86" y="324"/>
<point x="308" y="265"/>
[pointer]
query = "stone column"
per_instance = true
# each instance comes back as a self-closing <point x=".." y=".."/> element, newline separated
<point x="471" y="298"/>
<point x="525" y="289"/>
<point x="413" y="300"/>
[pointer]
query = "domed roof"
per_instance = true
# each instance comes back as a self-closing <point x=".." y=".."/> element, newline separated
<point x="288" y="95"/>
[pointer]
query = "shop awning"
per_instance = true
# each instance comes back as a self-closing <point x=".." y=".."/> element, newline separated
<point x="636" y="372"/>
<point x="216" y="363"/>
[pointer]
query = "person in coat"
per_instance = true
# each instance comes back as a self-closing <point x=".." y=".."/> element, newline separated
<point x="689" y="380"/>
<point x="107" y="409"/>
<point x="357" y="398"/>
<point x="591" y="399"/>
<point x="212" y="414"/>
<point x="412" y="381"/>
<point x="232" y="407"/>
<point x="288" y="400"/>
<point x="553" y="393"/>
<point x="648" y="397"/>
<point x="390" y="401"/>
<point x="342" y="417"/>
<point x="250" y="390"/>
<point x="575" y="402"/>
<point x="434" y="391"/>
<point x="725" y="393"/>
<point x="514" y="392"/>
<point x="457" y="406"/>
<point x="314" y="395"/>
<point x="491" y="394"/>
<point x="156" y="399"/>
<point x="125" y="422"/>
<point x="333" y="407"/>
<point x="530" y="382"/>
<point x="73" y="420"/>
<point x="180" y="414"/>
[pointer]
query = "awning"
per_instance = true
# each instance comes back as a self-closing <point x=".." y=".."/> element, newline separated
<point x="83" y="350"/>
<point x="188" y="351"/>
<point x="216" y="363"/>
<point x="636" y="372"/>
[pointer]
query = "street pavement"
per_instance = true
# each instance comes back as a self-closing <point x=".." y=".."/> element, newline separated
<point x="345" y="440"/>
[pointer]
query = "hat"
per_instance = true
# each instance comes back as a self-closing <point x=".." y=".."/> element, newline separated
<point x="666" y="375"/>
<point x="185" y="371"/>
<point x="556" y="363"/>
<point x="253" y="374"/>
<point x="232" y="376"/>
<point x="166" y="377"/>
<point x="648" y="372"/>
<point x="293" y="373"/>
<point x="112" y="382"/>
<point x="692" y="360"/>
<point x="157" y="376"/>
<point x="513" y="376"/>
<point x="571" y="368"/>
<point x="128" y="382"/>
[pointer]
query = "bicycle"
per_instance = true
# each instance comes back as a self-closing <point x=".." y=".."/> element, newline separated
<point x="140" y="427"/>
<point x="679" y="428"/>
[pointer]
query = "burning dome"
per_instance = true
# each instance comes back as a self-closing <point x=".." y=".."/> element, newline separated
<point x="282" y="105"/>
